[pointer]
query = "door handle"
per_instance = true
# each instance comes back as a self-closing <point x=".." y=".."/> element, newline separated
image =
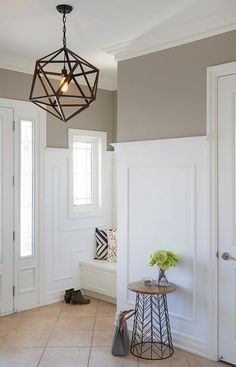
<point x="227" y="256"/>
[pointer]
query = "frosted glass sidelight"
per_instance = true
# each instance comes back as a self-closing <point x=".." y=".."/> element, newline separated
<point x="1" y="191"/>
<point x="26" y="189"/>
<point x="82" y="173"/>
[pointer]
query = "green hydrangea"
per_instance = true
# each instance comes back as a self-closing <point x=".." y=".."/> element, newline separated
<point x="164" y="259"/>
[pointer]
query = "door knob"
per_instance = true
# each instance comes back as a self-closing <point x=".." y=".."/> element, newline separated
<point x="227" y="256"/>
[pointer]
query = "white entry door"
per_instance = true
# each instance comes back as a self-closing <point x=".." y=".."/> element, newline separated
<point x="26" y="190"/>
<point x="227" y="216"/>
<point x="6" y="211"/>
<point x="19" y="203"/>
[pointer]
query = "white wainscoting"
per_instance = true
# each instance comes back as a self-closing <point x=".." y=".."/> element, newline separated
<point x="68" y="240"/>
<point x="162" y="203"/>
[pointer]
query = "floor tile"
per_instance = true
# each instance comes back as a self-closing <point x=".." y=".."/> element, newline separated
<point x="26" y="339"/>
<point x="36" y="323"/>
<point x="65" y="357"/>
<point x="104" y="323"/>
<point x="105" y="309"/>
<point x="70" y="339"/>
<point x="75" y="323"/>
<point x="178" y="359"/>
<point x="79" y="311"/>
<point x="102" y="357"/>
<point x="195" y="361"/>
<point x="102" y="338"/>
<point x="9" y="323"/>
<point x="45" y="311"/>
<point x="88" y="310"/>
<point x="67" y="331"/>
<point x="20" y="357"/>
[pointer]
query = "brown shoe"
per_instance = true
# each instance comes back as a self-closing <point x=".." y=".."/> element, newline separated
<point x="77" y="298"/>
<point x="68" y="294"/>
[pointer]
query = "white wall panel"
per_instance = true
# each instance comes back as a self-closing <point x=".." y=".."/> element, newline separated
<point x="68" y="241"/>
<point x="162" y="204"/>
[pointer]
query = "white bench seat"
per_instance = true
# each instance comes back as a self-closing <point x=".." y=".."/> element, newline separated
<point x="98" y="278"/>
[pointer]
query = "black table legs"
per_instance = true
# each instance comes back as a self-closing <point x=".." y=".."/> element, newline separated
<point x="151" y="337"/>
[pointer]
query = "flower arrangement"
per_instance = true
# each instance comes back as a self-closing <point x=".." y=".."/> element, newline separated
<point x="164" y="260"/>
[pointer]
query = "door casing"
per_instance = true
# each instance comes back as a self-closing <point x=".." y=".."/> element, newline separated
<point x="213" y="73"/>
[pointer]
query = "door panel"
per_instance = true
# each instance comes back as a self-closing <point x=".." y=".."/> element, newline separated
<point x="6" y="211"/>
<point x="227" y="217"/>
<point x="26" y="210"/>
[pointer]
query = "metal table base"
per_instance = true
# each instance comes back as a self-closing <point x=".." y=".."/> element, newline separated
<point x="151" y="337"/>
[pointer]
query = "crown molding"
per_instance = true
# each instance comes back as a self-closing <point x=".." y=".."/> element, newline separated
<point x="155" y="40"/>
<point x="16" y="64"/>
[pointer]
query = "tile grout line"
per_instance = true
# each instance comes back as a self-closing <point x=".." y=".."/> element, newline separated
<point x="92" y="333"/>
<point x="186" y="359"/>
<point x="49" y="337"/>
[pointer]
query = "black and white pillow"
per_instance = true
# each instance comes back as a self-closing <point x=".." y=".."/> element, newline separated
<point x="101" y="244"/>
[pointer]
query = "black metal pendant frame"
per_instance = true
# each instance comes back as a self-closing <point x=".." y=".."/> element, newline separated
<point x="54" y="100"/>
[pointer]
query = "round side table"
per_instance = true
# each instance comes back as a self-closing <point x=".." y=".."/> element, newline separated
<point x="151" y="336"/>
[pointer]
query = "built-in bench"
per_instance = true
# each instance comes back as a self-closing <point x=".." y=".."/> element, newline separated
<point x="98" y="279"/>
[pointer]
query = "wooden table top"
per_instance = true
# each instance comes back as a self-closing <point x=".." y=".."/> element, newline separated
<point x="140" y="287"/>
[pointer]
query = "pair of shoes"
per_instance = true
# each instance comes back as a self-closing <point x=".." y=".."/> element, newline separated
<point x="75" y="297"/>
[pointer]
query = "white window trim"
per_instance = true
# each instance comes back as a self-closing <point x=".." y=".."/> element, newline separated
<point x="97" y="209"/>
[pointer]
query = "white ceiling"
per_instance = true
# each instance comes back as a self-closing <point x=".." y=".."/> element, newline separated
<point x="99" y="29"/>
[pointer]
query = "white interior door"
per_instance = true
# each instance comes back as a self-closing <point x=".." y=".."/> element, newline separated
<point x="6" y="211"/>
<point x="227" y="217"/>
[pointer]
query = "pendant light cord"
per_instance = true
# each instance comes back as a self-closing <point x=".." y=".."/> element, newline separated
<point x="64" y="29"/>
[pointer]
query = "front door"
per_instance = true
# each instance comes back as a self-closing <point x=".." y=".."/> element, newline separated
<point x="6" y="211"/>
<point x="26" y="213"/>
<point x="227" y="216"/>
<point x="19" y="203"/>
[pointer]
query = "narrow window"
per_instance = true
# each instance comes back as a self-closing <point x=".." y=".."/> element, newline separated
<point x="26" y="189"/>
<point x="87" y="151"/>
<point x="82" y="173"/>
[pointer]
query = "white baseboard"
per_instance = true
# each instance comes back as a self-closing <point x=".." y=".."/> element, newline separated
<point x="189" y="343"/>
<point x="99" y="296"/>
<point x="53" y="297"/>
<point x="58" y="296"/>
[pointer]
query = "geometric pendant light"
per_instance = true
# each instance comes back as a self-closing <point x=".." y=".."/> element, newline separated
<point x="63" y="83"/>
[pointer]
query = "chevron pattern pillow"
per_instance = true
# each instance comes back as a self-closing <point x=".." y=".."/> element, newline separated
<point x="101" y="244"/>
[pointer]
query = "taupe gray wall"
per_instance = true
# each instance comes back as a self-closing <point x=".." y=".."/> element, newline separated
<point x="100" y="116"/>
<point x="163" y="95"/>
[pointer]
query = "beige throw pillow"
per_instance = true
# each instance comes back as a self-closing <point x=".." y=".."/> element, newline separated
<point x="112" y="245"/>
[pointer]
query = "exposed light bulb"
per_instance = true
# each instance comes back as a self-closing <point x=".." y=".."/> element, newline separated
<point x="63" y="78"/>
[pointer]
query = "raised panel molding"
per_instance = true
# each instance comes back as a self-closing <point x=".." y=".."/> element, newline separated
<point x="26" y="279"/>
<point x="192" y="173"/>
<point x="68" y="240"/>
<point x="144" y="171"/>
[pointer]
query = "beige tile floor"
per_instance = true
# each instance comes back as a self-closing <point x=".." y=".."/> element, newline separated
<point x="61" y="335"/>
